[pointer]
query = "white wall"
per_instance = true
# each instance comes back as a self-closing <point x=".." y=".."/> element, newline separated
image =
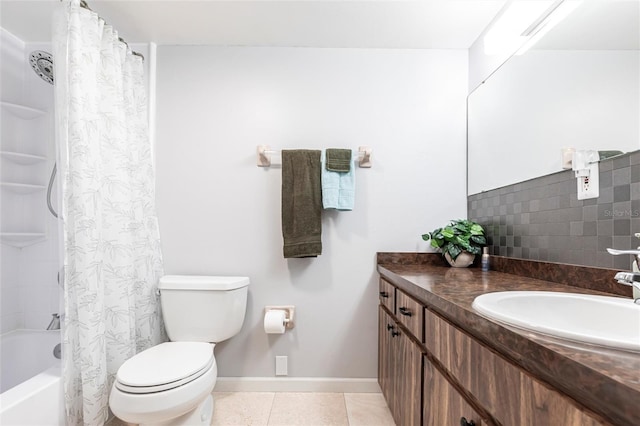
<point x="220" y="214"/>
<point x="482" y="65"/>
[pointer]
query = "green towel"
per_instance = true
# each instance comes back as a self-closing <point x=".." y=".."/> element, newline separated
<point x="609" y="154"/>
<point x="338" y="160"/>
<point x="301" y="203"/>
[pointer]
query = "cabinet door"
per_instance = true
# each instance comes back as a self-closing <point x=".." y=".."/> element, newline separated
<point x="399" y="371"/>
<point x="511" y="395"/>
<point x="385" y="365"/>
<point x="443" y="405"/>
<point x="408" y="380"/>
<point x="388" y="374"/>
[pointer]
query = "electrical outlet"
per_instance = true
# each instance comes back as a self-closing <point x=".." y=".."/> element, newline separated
<point x="589" y="186"/>
<point x="281" y="366"/>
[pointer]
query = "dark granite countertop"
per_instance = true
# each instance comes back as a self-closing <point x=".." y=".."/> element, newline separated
<point x="604" y="380"/>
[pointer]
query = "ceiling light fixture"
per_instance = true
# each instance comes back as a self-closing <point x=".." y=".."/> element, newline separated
<point x="556" y="13"/>
<point x="505" y="35"/>
<point x="523" y="23"/>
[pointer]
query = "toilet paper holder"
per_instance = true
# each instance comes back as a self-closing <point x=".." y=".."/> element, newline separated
<point x="289" y="310"/>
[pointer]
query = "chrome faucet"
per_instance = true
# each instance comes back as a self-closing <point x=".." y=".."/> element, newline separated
<point x="635" y="253"/>
<point x="629" y="278"/>
<point x="55" y="322"/>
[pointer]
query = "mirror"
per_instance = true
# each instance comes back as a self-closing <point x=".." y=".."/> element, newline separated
<point x="578" y="87"/>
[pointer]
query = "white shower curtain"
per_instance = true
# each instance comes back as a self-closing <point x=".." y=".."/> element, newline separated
<point x="112" y="252"/>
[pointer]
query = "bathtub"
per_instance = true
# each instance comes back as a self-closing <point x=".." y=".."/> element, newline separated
<point x="30" y="379"/>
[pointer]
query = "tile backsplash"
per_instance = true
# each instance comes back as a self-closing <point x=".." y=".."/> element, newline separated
<point x="542" y="218"/>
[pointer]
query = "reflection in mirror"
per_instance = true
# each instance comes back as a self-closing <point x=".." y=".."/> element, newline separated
<point x="578" y="87"/>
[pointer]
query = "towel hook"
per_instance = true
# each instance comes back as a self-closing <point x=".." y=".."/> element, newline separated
<point x="264" y="158"/>
<point x="365" y="156"/>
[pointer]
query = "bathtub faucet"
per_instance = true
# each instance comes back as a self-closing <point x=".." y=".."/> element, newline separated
<point x="55" y="322"/>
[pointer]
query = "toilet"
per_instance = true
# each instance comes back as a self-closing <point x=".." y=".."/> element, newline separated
<point x="171" y="383"/>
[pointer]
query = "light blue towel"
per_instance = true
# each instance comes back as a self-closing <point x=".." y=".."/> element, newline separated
<point x="338" y="189"/>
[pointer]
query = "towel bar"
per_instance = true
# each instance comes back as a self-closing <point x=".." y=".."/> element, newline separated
<point x="265" y="152"/>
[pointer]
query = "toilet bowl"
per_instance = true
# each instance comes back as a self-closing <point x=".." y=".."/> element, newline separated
<point x="164" y="382"/>
<point x="171" y="383"/>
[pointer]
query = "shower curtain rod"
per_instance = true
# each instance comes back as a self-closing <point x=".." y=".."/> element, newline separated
<point x="85" y="5"/>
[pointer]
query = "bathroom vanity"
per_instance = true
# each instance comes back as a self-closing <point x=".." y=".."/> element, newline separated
<point x="441" y="363"/>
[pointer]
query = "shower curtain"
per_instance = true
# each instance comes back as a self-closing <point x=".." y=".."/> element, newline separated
<point x="112" y="257"/>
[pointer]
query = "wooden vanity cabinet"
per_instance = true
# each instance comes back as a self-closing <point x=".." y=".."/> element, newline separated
<point x="465" y="380"/>
<point x="408" y="381"/>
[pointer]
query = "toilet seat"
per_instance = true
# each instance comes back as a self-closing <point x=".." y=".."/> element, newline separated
<point x="162" y="408"/>
<point x="164" y="367"/>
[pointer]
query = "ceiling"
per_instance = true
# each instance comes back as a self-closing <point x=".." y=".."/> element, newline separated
<point x="423" y="24"/>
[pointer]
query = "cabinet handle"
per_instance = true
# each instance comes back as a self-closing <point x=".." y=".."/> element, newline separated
<point x="404" y="311"/>
<point x="384" y="294"/>
<point x="395" y="333"/>
<point x="464" y="422"/>
<point x="389" y="327"/>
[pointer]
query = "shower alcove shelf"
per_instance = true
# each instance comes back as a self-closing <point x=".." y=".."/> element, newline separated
<point x="22" y="151"/>
<point x="22" y="239"/>
<point x="22" y="188"/>
<point x="22" y="111"/>
<point x="21" y="158"/>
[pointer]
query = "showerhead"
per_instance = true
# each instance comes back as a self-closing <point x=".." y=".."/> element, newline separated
<point x="42" y="64"/>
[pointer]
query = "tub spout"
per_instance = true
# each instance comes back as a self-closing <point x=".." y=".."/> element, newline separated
<point x="55" y="322"/>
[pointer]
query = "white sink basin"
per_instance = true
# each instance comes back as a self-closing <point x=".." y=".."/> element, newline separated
<point x="600" y="320"/>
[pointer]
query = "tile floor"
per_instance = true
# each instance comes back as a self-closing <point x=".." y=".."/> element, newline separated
<point x="298" y="409"/>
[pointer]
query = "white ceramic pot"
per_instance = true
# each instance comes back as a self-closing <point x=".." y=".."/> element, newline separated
<point x="463" y="260"/>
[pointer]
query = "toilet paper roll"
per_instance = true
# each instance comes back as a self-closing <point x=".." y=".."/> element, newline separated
<point x="274" y="321"/>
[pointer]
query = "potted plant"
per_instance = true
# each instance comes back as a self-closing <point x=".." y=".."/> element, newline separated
<point x="459" y="241"/>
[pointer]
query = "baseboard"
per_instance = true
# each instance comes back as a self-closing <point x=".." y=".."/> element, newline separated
<point x="296" y="384"/>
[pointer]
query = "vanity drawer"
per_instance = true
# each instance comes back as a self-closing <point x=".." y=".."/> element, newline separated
<point x="387" y="295"/>
<point x="410" y="313"/>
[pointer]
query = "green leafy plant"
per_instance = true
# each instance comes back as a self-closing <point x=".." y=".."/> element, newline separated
<point x="458" y="236"/>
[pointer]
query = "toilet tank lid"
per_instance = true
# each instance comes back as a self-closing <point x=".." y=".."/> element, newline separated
<point x="201" y="282"/>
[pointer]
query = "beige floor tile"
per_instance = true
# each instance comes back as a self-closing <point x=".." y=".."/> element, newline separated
<point x="241" y="408"/>
<point x="299" y="409"/>
<point x="367" y="409"/>
<point x="117" y="422"/>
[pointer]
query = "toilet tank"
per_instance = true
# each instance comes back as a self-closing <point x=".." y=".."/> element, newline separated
<point x="198" y="308"/>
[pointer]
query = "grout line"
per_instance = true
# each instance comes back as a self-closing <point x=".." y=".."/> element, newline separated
<point x="346" y="409"/>
<point x="273" y="400"/>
